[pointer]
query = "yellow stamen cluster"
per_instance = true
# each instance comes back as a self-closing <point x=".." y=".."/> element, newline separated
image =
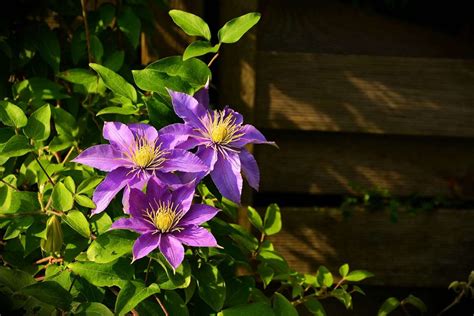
<point x="164" y="216"/>
<point x="145" y="154"/>
<point x="221" y="128"/>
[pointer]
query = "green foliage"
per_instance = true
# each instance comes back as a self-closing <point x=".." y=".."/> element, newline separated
<point x="191" y="24"/>
<point x="233" y="30"/>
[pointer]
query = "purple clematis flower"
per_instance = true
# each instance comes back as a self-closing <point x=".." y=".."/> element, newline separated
<point x="166" y="220"/>
<point x="135" y="153"/>
<point x="220" y="137"/>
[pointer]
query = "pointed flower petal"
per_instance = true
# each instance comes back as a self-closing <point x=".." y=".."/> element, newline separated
<point x="198" y="214"/>
<point x="109" y="187"/>
<point x="196" y="236"/>
<point x="157" y="190"/>
<point x="249" y="168"/>
<point x="183" y="136"/>
<point x="133" y="224"/>
<point x="181" y="160"/>
<point x="188" y="108"/>
<point x="184" y="196"/>
<point x="251" y="136"/>
<point x="145" y="244"/>
<point x="226" y="175"/>
<point x="172" y="249"/>
<point x="119" y="135"/>
<point x="102" y="157"/>
<point x="137" y="202"/>
<point x="202" y="96"/>
<point x="144" y="130"/>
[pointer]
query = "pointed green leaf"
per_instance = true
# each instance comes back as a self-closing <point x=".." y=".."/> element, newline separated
<point x="388" y="306"/>
<point x="130" y="25"/>
<point x="315" y="307"/>
<point x="272" y="221"/>
<point x="132" y="294"/>
<point x="16" y="146"/>
<point x="191" y="24"/>
<point x="69" y="183"/>
<point x="115" y="82"/>
<point x="104" y="274"/>
<point x="88" y="184"/>
<point x="62" y="199"/>
<point x="252" y="309"/>
<point x="49" y="292"/>
<point x="97" y="49"/>
<point x="85" y="201"/>
<point x="115" y="60"/>
<point x="111" y="245"/>
<point x="255" y="218"/>
<point x="48" y="47"/>
<point x="358" y="275"/>
<point x="344" y="269"/>
<point x="199" y="48"/>
<point x="125" y="110"/>
<point x="39" y="126"/>
<point x="77" y="221"/>
<point x="415" y="301"/>
<point x="282" y="307"/>
<point x="93" y="309"/>
<point x="211" y="286"/>
<point x="324" y="276"/>
<point x="12" y="115"/>
<point x="233" y="30"/>
<point x="266" y="274"/>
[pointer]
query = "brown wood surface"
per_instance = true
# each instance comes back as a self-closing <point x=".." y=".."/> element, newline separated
<point x="423" y="250"/>
<point x="373" y="94"/>
<point x="329" y="26"/>
<point x="327" y="163"/>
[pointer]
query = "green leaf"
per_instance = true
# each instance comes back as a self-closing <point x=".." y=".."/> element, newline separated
<point x="130" y="25"/>
<point x="48" y="47"/>
<point x="132" y="294"/>
<point x="125" y="110"/>
<point x="388" y="306"/>
<point x="17" y="226"/>
<point x="93" y="309"/>
<point x="70" y="184"/>
<point x="173" y="73"/>
<point x="343" y="297"/>
<point x="243" y="237"/>
<point x="272" y="221"/>
<point x="49" y="292"/>
<point x="97" y="49"/>
<point x="358" y="275"/>
<point x="36" y="89"/>
<point x="344" y="269"/>
<point x="191" y="24"/>
<point x="12" y="115"/>
<point x="274" y="260"/>
<point x="174" y="304"/>
<point x="282" y="307"/>
<point x="16" y="146"/>
<point x="200" y="48"/>
<point x="324" y="276"/>
<point x="65" y="122"/>
<point x="101" y="223"/>
<point x="77" y="221"/>
<point x="15" y="279"/>
<point x="266" y="274"/>
<point x="315" y="307"/>
<point x="160" y="113"/>
<point x="170" y="279"/>
<point x="88" y="184"/>
<point x="115" y="82"/>
<point x="415" y="301"/>
<point x="111" y="245"/>
<point x="252" y="309"/>
<point x="211" y="286"/>
<point x="84" y="78"/>
<point x="104" y="274"/>
<point x="85" y="201"/>
<point x="115" y="61"/>
<point x="233" y="30"/>
<point x="62" y="198"/>
<point x="39" y="126"/>
<point x="255" y="218"/>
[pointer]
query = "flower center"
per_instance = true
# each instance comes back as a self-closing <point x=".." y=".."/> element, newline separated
<point x="146" y="155"/>
<point x="221" y="128"/>
<point x="165" y="216"/>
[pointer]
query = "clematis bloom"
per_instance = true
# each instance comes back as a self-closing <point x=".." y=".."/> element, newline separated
<point x="220" y="137"/>
<point x="135" y="153"/>
<point x="166" y="220"/>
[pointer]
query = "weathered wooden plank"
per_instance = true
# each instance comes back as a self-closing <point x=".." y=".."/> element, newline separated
<point x="423" y="250"/>
<point x="328" y="26"/>
<point x="373" y="94"/>
<point x="327" y="163"/>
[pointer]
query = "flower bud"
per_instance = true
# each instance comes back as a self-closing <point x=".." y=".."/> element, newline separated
<point x="54" y="235"/>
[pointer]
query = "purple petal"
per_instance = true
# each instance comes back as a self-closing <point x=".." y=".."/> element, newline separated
<point x="172" y="249"/>
<point x="145" y="244"/>
<point x="239" y="119"/>
<point x="196" y="236"/>
<point x="251" y="136"/>
<point x="137" y="202"/>
<point x="184" y="196"/>
<point x="226" y="175"/>
<point x="102" y="157"/>
<point x="183" y="136"/>
<point x="182" y="160"/>
<point x="198" y="214"/>
<point x="107" y="189"/>
<point x="134" y="224"/>
<point x="136" y="183"/>
<point x="170" y="179"/>
<point x="249" y="168"/>
<point x="188" y="108"/>
<point x="208" y="155"/>
<point x="157" y="191"/>
<point x="144" y="130"/>
<point x="119" y="134"/>
<point x="202" y="96"/>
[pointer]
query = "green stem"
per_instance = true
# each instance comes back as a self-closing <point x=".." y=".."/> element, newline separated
<point x="9" y="185"/>
<point x="213" y="59"/>
<point x="44" y="170"/>
<point x="86" y="28"/>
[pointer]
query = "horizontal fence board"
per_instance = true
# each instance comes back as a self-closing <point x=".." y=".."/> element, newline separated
<point x="330" y="163"/>
<point x="370" y="94"/>
<point x="423" y="250"/>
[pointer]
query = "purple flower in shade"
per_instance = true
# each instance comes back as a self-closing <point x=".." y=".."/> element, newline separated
<point x="166" y="220"/>
<point x="135" y="153"/>
<point x="220" y="137"/>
